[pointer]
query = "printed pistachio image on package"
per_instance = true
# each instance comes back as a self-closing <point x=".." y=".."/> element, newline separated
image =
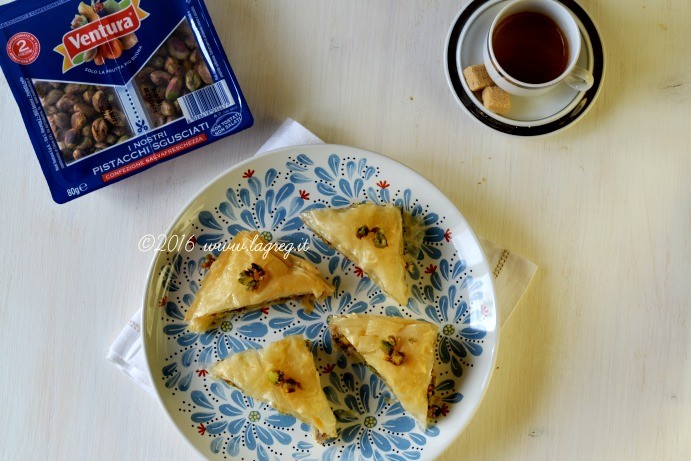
<point x="109" y="88"/>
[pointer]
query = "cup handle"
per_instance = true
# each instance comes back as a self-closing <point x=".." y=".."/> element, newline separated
<point x="580" y="79"/>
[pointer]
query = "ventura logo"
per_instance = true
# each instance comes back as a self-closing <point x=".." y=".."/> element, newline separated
<point x="99" y="32"/>
<point x="96" y="34"/>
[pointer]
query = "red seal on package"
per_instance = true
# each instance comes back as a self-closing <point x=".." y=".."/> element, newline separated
<point x="23" y="48"/>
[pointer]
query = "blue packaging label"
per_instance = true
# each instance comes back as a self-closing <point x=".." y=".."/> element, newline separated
<point x="110" y="88"/>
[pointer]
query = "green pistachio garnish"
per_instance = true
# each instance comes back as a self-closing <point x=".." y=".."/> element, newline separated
<point x="249" y="282"/>
<point x="396" y="358"/>
<point x="274" y="376"/>
<point x="388" y="346"/>
<point x="277" y="378"/>
<point x="362" y="231"/>
<point x="252" y="276"/>
<point x="380" y="240"/>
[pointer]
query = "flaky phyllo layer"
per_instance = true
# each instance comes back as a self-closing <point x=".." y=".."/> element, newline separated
<point x="248" y="276"/>
<point x="401" y="351"/>
<point x="371" y="236"/>
<point x="284" y="375"/>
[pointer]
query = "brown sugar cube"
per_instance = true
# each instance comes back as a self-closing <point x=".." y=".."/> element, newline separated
<point x="477" y="77"/>
<point x="496" y="100"/>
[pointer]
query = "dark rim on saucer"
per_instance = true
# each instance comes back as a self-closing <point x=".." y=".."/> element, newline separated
<point x="572" y="116"/>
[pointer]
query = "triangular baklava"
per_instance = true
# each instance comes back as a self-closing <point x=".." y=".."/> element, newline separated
<point x="283" y="374"/>
<point x="401" y="351"/>
<point x="250" y="274"/>
<point x="371" y="236"/>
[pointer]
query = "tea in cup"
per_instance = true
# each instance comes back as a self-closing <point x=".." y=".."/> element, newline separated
<point x="532" y="46"/>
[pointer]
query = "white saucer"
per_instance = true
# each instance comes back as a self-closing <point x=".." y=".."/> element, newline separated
<point x="534" y="116"/>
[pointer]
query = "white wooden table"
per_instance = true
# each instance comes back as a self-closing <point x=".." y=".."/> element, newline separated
<point x="594" y="363"/>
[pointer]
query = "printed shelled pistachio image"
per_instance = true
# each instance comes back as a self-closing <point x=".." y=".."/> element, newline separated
<point x="84" y="119"/>
<point x="176" y="69"/>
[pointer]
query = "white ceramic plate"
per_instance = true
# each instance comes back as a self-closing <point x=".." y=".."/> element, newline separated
<point x="452" y="287"/>
<point x="529" y="116"/>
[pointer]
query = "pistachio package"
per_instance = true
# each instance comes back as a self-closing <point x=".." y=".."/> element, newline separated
<point x="109" y="88"/>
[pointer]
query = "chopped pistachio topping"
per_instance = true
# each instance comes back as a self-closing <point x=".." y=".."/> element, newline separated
<point x="388" y="346"/>
<point x="277" y="378"/>
<point x="396" y="358"/>
<point x="380" y="240"/>
<point x="274" y="376"/>
<point x="252" y="276"/>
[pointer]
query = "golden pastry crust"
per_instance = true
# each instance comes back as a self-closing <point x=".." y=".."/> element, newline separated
<point x="248" y="275"/>
<point x="264" y="374"/>
<point x="401" y="351"/>
<point x="371" y="236"/>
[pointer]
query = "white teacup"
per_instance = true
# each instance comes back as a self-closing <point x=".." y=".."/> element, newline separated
<point x="576" y="77"/>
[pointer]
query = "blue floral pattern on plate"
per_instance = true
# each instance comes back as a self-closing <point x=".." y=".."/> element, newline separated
<point x="268" y="196"/>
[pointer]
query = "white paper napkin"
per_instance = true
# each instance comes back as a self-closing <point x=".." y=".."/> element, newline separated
<point x="512" y="274"/>
<point x="127" y="353"/>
